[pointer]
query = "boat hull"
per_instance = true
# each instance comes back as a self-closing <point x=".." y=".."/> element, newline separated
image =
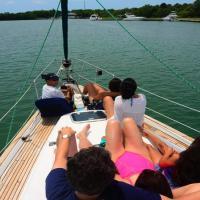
<point x="134" y="19"/>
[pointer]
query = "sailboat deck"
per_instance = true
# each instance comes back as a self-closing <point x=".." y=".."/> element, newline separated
<point x="17" y="172"/>
<point x="14" y="177"/>
<point x="167" y="133"/>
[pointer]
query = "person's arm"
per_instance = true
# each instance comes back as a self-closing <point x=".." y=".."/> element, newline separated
<point x="57" y="183"/>
<point x="169" y="158"/>
<point x="169" y="155"/>
<point x="185" y="190"/>
<point x="62" y="151"/>
<point x="192" y="196"/>
<point x="161" y="146"/>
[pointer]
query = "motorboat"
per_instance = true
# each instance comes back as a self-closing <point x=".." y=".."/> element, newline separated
<point x="131" y="17"/>
<point x="171" y="17"/>
<point x="95" y="17"/>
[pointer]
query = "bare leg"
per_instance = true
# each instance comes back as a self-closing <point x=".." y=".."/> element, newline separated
<point x="133" y="138"/>
<point x="93" y="90"/>
<point x="114" y="139"/>
<point x="82" y="136"/>
<point x="90" y="90"/>
<point x="108" y="105"/>
<point x="98" y="88"/>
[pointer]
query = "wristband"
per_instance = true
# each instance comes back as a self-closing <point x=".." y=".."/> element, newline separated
<point x="65" y="136"/>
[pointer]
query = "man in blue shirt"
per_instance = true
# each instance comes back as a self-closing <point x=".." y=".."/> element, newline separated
<point x="89" y="175"/>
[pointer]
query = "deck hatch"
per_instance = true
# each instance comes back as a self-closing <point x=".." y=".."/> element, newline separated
<point x="88" y="116"/>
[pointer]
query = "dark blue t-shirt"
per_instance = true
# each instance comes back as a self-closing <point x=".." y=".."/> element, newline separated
<point x="59" y="188"/>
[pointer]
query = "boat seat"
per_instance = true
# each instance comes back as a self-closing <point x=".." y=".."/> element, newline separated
<point x="54" y="107"/>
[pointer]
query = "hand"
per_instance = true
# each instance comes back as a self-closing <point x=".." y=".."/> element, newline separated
<point x="64" y="131"/>
<point x="63" y="144"/>
<point x="169" y="151"/>
<point x="67" y="131"/>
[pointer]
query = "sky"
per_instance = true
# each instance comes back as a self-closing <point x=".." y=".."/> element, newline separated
<point x="26" y="5"/>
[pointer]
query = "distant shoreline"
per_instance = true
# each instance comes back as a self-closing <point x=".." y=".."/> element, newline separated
<point x="187" y="12"/>
<point x="182" y="12"/>
<point x="160" y="19"/>
<point x="197" y="20"/>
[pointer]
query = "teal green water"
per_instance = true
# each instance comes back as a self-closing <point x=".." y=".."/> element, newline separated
<point x="105" y="44"/>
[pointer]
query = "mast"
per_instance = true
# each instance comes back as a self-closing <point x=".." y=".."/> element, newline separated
<point x="84" y="5"/>
<point x="64" y="8"/>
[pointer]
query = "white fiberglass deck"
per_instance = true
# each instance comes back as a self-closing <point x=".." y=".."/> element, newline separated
<point x="24" y="178"/>
<point x="35" y="185"/>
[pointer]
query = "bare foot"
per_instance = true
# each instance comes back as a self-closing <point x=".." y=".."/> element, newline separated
<point x="83" y="132"/>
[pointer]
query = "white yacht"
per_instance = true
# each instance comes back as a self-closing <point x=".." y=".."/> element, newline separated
<point x="171" y="17"/>
<point x="132" y="18"/>
<point x="95" y="17"/>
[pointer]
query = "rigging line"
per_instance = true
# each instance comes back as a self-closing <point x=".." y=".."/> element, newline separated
<point x="29" y="76"/>
<point x="147" y="91"/>
<point x="35" y="79"/>
<point x="1" y="119"/>
<point x="1" y="151"/>
<point x="148" y="108"/>
<point x="80" y="60"/>
<point x="15" y="103"/>
<point x="189" y="127"/>
<point x="150" y="52"/>
<point x="44" y="42"/>
<point x="171" y="101"/>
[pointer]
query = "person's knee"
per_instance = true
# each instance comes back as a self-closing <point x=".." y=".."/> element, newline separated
<point x="113" y="123"/>
<point x="128" y="120"/>
<point x="108" y="100"/>
<point x="88" y="85"/>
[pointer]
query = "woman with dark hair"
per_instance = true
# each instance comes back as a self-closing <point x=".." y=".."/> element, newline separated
<point x="130" y="104"/>
<point x="187" y="167"/>
<point x="154" y="181"/>
<point x="180" y="168"/>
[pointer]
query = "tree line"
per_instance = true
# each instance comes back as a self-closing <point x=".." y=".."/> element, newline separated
<point x="149" y="11"/>
<point x="30" y="15"/>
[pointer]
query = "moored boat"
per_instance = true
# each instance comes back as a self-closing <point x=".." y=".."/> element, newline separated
<point x="131" y="17"/>
<point x="95" y="17"/>
<point x="171" y="17"/>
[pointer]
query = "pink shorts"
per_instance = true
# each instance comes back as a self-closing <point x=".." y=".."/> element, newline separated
<point x="129" y="164"/>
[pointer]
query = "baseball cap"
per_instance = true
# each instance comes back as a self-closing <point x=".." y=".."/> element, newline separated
<point x="50" y="76"/>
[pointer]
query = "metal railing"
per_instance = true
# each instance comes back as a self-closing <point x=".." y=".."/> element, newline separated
<point x="84" y="71"/>
<point x="81" y="75"/>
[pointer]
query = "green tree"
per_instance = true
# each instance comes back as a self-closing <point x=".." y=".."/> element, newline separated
<point x="196" y="7"/>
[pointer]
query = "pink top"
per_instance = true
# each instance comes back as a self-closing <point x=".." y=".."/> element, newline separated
<point x="130" y="163"/>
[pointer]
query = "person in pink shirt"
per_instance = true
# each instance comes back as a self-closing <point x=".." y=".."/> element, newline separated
<point x="128" y="151"/>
